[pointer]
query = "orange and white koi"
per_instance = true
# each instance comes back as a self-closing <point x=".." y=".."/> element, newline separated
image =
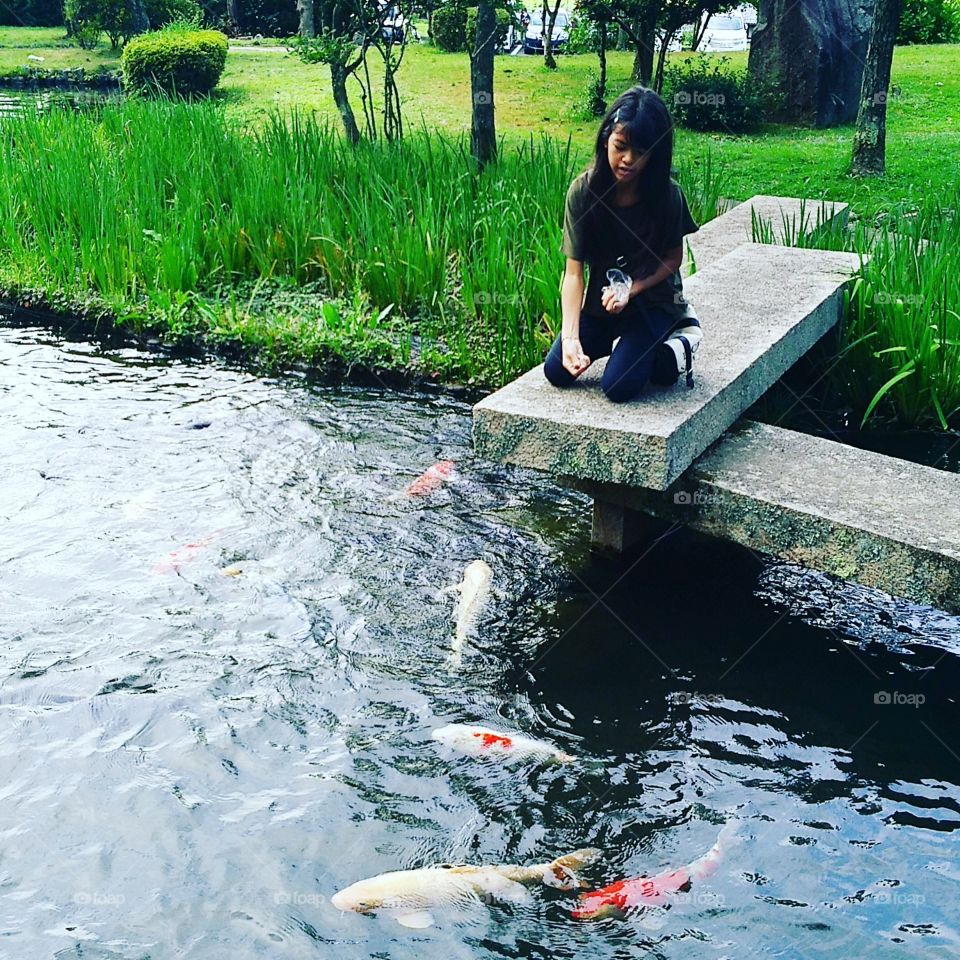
<point x="484" y="743"/>
<point x="183" y="555"/>
<point x="431" y="479"/>
<point x="618" y="899"/>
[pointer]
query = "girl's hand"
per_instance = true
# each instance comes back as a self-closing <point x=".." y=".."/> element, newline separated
<point x="610" y="302"/>
<point x="575" y="361"/>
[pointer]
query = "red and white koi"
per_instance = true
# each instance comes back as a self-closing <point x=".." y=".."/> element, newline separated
<point x="618" y="899"/>
<point x="484" y="743"/>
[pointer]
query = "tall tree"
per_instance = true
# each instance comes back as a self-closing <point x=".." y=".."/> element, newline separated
<point x="233" y="16"/>
<point x="638" y="20"/>
<point x="483" y="131"/>
<point x="139" y="21"/>
<point x="869" y="139"/>
<point x="599" y="14"/>
<point x="308" y="27"/>
<point x="548" y="18"/>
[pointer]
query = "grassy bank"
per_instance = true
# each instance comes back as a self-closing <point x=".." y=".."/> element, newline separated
<point x="168" y="213"/>
<point x="174" y="218"/>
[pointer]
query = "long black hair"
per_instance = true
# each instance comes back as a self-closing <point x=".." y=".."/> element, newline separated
<point x="648" y="127"/>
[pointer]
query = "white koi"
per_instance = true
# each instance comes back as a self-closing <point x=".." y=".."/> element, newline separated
<point x="408" y="896"/>
<point x="474" y="590"/>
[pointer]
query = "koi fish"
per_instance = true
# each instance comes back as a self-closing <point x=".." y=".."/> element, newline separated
<point x="482" y="742"/>
<point x="408" y="896"/>
<point x="473" y="590"/>
<point x="617" y="899"/>
<point x="177" y="558"/>
<point x="431" y="478"/>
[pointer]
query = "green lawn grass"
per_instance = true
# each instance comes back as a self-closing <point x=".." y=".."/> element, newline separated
<point x="923" y="137"/>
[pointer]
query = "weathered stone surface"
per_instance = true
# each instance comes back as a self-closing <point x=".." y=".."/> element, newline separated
<point x="785" y="217"/>
<point x="862" y="516"/>
<point x="814" y="53"/>
<point x="762" y="307"/>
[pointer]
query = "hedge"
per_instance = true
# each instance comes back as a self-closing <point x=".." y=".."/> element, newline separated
<point x="175" y="61"/>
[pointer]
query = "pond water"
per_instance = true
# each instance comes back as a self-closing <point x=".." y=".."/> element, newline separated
<point x="15" y="101"/>
<point x="194" y="763"/>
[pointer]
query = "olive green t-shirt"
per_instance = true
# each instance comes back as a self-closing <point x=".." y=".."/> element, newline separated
<point x="632" y="233"/>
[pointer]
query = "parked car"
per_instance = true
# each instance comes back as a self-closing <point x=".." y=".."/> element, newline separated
<point x="533" y="38"/>
<point x="394" y="22"/>
<point x="725" y="32"/>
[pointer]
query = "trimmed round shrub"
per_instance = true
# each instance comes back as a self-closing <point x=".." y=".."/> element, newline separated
<point x="503" y="25"/>
<point x="450" y="28"/>
<point x="174" y="61"/>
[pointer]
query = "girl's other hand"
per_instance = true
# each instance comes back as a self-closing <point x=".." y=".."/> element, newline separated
<point x="575" y="361"/>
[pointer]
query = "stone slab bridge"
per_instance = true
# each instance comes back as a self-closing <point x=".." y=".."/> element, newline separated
<point x="685" y="455"/>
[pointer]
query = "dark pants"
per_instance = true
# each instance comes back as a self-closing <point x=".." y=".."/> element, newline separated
<point x="629" y="366"/>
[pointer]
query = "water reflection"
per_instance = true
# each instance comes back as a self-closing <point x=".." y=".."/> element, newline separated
<point x="196" y="762"/>
<point x="17" y="102"/>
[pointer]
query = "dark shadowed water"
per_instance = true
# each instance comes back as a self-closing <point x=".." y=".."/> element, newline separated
<point x="194" y="763"/>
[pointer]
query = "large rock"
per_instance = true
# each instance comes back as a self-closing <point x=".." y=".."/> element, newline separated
<point x="813" y="51"/>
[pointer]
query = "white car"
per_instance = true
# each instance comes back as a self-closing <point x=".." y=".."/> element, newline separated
<point x="725" y="33"/>
<point x="393" y="21"/>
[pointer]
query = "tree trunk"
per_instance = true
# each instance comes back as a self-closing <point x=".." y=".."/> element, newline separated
<point x="602" y="57"/>
<point x="139" y="21"/>
<point x="338" y="83"/>
<point x="546" y="38"/>
<point x="308" y="29"/>
<point x="233" y="15"/>
<point x="643" y="40"/>
<point x="869" y="138"/>
<point x="430" y="24"/>
<point x="661" y="61"/>
<point x="700" y="31"/>
<point x="483" y="140"/>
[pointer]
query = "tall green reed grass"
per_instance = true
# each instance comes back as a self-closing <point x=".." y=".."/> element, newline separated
<point x="899" y="355"/>
<point x="164" y="209"/>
